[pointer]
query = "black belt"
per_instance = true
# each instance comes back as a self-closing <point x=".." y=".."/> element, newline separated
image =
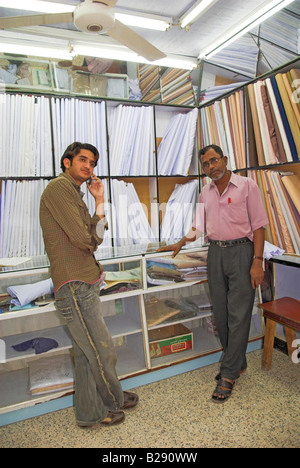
<point x="229" y="243"/>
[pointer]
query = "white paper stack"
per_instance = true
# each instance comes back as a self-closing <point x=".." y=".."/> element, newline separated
<point x="130" y="224"/>
<point x="175" y="151"/>
<point x="131" y="140"/>
<point x="25" y="136"/>
<point x="180" y="211"/>
<point x="83" y="121"/>
<point x="20" y="231"/>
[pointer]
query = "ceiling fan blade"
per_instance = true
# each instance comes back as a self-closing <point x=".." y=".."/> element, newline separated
<point x="110" y="3"/>
<point x="35" y="20"/>
<point x="135" y="42"/>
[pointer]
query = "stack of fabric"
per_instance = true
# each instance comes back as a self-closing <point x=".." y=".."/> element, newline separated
<point x="184" y="267"/>
<point x="271" y="122"/>
<point x="281" y="196"/>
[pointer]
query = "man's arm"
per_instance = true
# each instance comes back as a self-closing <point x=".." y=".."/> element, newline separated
<point x="256" y="270"/>
<point x="192" y="235"/>
<point x="97" y="191"/>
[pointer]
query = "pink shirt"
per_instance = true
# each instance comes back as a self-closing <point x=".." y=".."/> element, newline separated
<point x="235" y="214"/>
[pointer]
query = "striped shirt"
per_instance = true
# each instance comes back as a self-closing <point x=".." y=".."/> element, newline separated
<point x="69" y="233"/>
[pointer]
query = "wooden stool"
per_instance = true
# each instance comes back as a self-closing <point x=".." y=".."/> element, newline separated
<point x="285" y="311"/>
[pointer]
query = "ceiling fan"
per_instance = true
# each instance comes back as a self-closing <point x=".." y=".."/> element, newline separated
<point x="91" y="16"/>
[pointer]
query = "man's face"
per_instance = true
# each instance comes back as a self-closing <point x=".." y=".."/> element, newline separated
<point x="81" y="167"/>
<point x="213" y="165"/>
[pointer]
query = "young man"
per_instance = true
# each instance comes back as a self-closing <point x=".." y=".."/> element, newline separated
<point x="234" y="220"/>
<point x="71" y="237"/>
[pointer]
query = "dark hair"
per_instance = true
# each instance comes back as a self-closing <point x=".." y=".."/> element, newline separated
<point x="207" y="148"/>
<point x="74" y="148"/>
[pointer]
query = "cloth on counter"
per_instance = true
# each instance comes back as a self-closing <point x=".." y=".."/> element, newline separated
<point x="159" y="282"/>
<point x="151" y="263"/>
<point x="157" y="311"/>
<point x="119" y="287"/>
<point x="201" y="301"/>
<point x="194" y="273"/>
<point x="51" y="374"/>
<point x="40" y="345"/>
<point x="121" y="281"/>
<point x="186" y="310"/>
<point x="157" y="272"/>
<point x="132" y="275"/>
<point x="166" y="270"/>
<point x="187" y="261"/>
<point x="14" y="308"/>
<point x="270" y="250"/>
<point x="26" y="293"/>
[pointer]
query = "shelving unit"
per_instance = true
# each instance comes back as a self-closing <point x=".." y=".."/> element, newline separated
<point x="144" y="185"/>
<point x="237" y="121"/>
<point x="125" y="314"/>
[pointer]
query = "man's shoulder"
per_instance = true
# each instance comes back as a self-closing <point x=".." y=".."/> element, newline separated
<point x="57" y="184"/>
<point x="243" y="181"/>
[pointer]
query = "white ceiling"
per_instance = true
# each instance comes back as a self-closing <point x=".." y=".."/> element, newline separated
<point x="222" y="16"/>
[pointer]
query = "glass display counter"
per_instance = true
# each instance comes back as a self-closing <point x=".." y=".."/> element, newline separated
<point x="156" y="307"/>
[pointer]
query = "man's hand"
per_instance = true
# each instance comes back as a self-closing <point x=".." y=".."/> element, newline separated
<point x="175" y="247"/>
<point x="256" y="273"/>
<point x="96" y="188"/>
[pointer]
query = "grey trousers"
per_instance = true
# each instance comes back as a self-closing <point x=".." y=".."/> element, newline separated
<point x="232" y="299"/>
<point x="97" y="388"/>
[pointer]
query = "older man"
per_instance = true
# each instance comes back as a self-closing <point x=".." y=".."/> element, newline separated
<point x="234" y="219"/>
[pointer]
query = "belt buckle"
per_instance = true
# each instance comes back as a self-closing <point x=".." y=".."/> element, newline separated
<point x="222" y="244"/>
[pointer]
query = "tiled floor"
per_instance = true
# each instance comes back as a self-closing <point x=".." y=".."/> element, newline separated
<point x="263" y="412"/>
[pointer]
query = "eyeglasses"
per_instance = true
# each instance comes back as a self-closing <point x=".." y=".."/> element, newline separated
<point x="213" y="161"/>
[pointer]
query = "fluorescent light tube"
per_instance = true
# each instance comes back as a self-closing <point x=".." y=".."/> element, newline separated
<point x="23" y="43"/>
<point x="122" y="53"/>
<point x="243" y="27"/>
<point x="146" y="22"/>
<point x="38" y="6"/>
<point x="176" y="63"/>
<point x="194" y="13"/>
<point x="36" y="51"/>
<point x="97" y="50"/>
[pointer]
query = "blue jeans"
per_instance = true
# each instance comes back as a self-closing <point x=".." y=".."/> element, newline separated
<point x="97" y="388"/>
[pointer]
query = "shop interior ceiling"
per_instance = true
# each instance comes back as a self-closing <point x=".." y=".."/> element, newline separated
<point x="220" y="17"/>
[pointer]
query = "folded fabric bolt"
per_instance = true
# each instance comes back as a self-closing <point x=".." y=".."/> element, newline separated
<point x="41" y="345"/>
<point x="25" y="293"/>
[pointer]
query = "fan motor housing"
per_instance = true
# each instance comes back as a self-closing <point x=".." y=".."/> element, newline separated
<point x="94" y="17"/>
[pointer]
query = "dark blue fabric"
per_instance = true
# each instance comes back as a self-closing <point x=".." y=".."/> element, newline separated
<point x="284" y="119"/>
<point x="41" y="345"/>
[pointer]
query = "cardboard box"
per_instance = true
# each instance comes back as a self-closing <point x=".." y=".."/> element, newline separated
<point x="169" y="340"/>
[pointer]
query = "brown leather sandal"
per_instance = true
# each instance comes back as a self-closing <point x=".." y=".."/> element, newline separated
<point x="113" y="417"/>
<point x="222" y="391"/>
<point x="130" y="400"/>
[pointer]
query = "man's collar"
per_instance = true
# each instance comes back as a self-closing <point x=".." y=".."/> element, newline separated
<point x="233" y="180"/>
<point x="67" y="177"/>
